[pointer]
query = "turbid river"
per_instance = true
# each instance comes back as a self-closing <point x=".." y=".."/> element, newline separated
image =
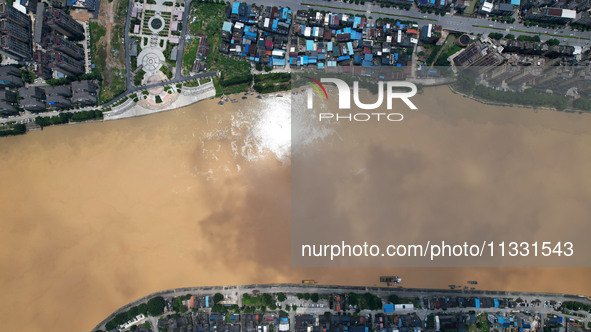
<point x="97" y="215"/>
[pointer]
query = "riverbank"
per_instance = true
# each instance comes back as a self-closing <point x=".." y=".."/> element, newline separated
<point x="236" y="292"/>
<point x="457" y="91"/>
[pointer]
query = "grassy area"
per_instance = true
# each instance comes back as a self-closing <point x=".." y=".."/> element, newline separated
<point x="166" y="71"/>
<point x="116" y="86"/>
<point x="121" y="11"/>
<point x="208" y="21"/>
<point x="481" y="324"/>
<point x="189" y="55"/>
<point x="98" y="51"/>
<point x="449" y="47"/>
<point x="470" y="9"/>
<point x="269" y="83"/>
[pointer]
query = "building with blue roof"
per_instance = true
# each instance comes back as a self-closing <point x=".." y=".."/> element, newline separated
<point x="278" y="61"/>
<point x="388" y="308"/>
<point x="227" y="26"/>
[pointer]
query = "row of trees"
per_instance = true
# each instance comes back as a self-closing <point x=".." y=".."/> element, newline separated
<point x="94" y="75"/>
<point x="529" y="23"/>
<point x="437" y="11"/>
<point x="271" y="87"/>
<point x="15" y="129"/>
<point x="504" y="19"/>
<point x="576" y="306"/>
<point x="154" y="307"/>
<point x="495" y="35"/>
<point x="582" y="104"/>
<point x="529" y="38"/>
<point x="387" y="5"/>
<point x="63" y="118"/>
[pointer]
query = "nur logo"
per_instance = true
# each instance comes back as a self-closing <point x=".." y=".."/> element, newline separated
<point x="345" y="93"/>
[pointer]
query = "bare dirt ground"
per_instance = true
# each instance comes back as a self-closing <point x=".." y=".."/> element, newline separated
<point x="111" y="55"/>
<point x="105" y="19"/>
<point x="81" y="15"/>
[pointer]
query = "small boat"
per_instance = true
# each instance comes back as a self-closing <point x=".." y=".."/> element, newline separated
<point x="391" y="279"/>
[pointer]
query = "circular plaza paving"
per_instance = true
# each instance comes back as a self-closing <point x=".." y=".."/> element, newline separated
<point x="151" y="59"/>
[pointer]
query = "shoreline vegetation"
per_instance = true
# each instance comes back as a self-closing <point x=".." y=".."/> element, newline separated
<point x="529" y="98"/>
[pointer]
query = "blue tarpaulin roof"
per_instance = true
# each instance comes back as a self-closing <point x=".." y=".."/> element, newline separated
<point x="350" y="47"/>
<point x="227" y="26"/>
<point x="388" y="308"/>
<point x="477" y="302"/>
<point x="515" y="2"/>
<point x="278" y="61"/>
<point x="309" y="45"/>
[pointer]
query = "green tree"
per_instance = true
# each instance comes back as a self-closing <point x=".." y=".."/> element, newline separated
<point x="315" y="297"/>
<point x="156" y="306"/>
<point x="281" y="297"/>
<point x="553" y="42"/>
<point x="143" y="309"/>
<point x="218" y="298"/>
<point x="394" y="299"/>
<point x="27" y="76"/>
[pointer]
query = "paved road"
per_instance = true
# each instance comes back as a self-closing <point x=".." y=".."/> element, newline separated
<point x="127" y="41"/>
<point x="181" y="48"/>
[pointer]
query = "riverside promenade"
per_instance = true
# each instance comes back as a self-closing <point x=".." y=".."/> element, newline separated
<point x="187" y="96"/>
